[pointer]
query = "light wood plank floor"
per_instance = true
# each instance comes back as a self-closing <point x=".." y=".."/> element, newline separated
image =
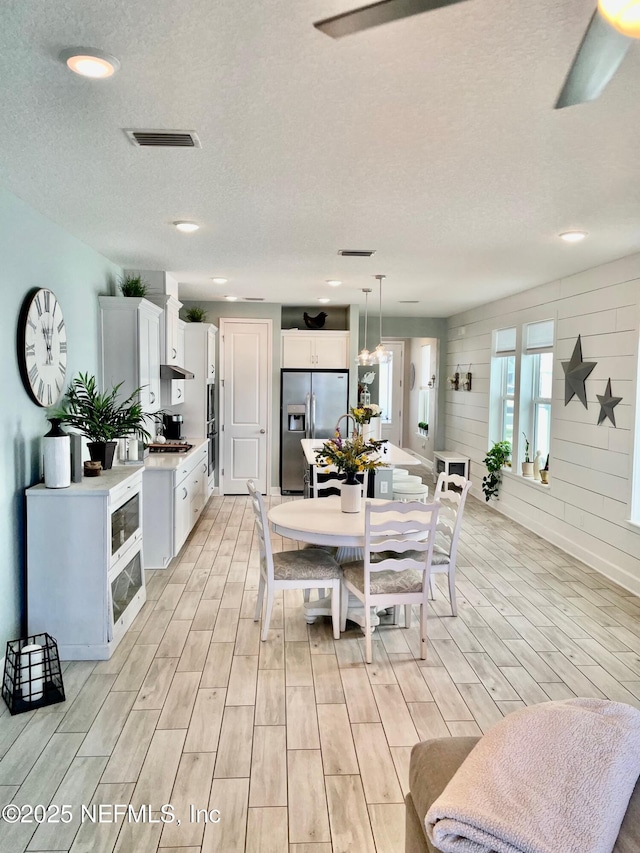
<point x="301" y="746"/>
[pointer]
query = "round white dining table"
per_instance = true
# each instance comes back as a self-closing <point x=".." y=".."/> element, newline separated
<point x="320" y="521"/>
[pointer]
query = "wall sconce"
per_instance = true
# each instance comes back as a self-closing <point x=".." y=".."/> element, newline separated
<point x="466" y="384"/>
<point x="454" y="381"/>
<point x="432" y="382"/>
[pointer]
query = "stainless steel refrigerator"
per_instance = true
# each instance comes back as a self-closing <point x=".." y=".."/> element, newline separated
<point x="311" y="403"/>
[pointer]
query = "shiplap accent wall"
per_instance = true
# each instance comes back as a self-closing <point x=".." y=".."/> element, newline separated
<point x="587" y="507"/>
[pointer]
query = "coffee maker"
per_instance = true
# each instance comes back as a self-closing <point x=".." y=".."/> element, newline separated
<point x="173" y="427"/>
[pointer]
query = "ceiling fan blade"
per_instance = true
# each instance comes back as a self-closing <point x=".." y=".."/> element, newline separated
<point x="375" y="14"/>
<point x="597" y="60"/>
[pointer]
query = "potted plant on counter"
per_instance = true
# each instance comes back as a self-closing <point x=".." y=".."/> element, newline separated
<point x="102" y="417"/>
<point x="350" y="456"/>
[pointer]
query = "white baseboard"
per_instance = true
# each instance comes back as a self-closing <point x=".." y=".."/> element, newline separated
<point x="565" y="543"/>
<point x="274" y="491"/>
<point x="427" y="462"/>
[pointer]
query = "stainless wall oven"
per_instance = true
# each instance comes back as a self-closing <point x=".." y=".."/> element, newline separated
<point x="212" y="432"/>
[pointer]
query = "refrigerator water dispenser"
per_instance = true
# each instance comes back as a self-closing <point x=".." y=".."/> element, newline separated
<point x="296" y="415"/>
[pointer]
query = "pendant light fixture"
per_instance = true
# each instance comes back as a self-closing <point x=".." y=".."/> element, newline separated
<point x="364" y="356"/>
<point x="380" y="355"/>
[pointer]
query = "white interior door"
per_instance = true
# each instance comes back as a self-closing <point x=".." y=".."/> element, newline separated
<point x="390" y="393"/>
<point x="245" y="373"/>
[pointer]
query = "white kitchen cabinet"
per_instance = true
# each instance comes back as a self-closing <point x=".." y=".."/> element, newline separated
<point x="130" y="332"/>
<point x="171" y="346"/>
<point x="175" y="488"/>
<point x="85" y="577"/>
<point x="315" y="350"/>
<point x="198" y="414"/>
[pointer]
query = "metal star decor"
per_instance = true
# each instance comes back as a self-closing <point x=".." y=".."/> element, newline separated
<point x="607" y="404"/>
<point x="575" y="375"/>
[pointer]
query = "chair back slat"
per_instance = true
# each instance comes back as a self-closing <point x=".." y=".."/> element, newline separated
<point x="331" y="481"/>
<point x="262" y="528"/>
<point x="451" y="509"/>
<point x="399" y="528"/>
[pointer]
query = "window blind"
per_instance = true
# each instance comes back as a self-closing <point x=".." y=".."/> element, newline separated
<point x="505" y="341"/>
<point x="539" y="336"/>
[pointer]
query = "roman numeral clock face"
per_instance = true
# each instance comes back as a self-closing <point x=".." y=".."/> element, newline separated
<point x="42" y="347"/>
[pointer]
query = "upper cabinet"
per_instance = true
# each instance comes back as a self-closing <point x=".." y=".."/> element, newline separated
<point x="130" y="332"/>
<point x="328" y="350"/>
<point x="171" y="346"/>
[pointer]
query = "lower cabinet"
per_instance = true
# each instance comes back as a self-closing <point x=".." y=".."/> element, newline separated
<point x="175" y="496"/>
<point x="85" y="581"/>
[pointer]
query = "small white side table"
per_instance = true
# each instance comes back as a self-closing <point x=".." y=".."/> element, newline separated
<point x="450" y="463"/>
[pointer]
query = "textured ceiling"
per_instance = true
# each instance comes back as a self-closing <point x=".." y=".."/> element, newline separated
<point x="432" y="140"/>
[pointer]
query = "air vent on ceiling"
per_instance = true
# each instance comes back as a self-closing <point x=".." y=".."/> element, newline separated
<point x="254" y="299"/>
<point x="356" y="253"/>
<point x="164" y="138"/>
<point x="408" y="301"/>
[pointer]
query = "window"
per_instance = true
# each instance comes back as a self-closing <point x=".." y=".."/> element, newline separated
<point x="503" y="374"/>
<point x="522" y="388"/>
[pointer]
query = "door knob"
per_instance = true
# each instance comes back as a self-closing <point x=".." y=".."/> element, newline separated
<point x="263" y="431"/>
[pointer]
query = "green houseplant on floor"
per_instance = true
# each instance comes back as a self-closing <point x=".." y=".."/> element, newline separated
<point x="102" y="417"/>
<point x="495" y="460"/>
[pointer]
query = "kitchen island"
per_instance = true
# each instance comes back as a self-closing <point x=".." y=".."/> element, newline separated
<point x="393" y="457"/>
<point x="175" y="490"/>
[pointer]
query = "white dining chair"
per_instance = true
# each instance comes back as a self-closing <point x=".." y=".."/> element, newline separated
<point x="304" y="569"/>
<point x="451" y="502"/>
<point x="396" y="565"/>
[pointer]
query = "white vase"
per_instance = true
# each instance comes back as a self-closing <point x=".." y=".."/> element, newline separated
<point x="57" y="457"/>
<point x="350" y="497"/>
<point x="373" y="430"/>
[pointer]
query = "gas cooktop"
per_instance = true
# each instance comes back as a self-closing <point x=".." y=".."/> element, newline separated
<point x="170" y="447"/>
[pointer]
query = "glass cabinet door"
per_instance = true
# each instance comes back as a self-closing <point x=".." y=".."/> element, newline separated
<point x="124" y="522"/>
<point x="125" y="586"/>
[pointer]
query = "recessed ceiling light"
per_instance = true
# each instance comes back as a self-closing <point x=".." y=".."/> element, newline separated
<point x="572" y="236"/>
<point x="231" y="298"/>
<point x="324" y="300"/>
<point x="186" y="227"/>
<point x="89" y="62"/>
<point x="333" y="282"/>
<point x="219" y="280"/>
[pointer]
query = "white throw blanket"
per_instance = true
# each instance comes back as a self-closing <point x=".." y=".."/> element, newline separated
<point x="552" y="778"/>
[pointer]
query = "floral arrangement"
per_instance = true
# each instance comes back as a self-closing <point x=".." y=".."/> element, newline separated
<point x="351" y="455"/>
<point x="363" y="414"/>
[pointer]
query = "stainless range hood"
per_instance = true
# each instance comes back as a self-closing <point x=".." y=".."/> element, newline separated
<point x="172" y="371"/>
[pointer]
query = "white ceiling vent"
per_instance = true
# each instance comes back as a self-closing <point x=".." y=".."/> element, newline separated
<point x="163" y="138"/>
<point x="356" y="253"/>
<point x="254" y="299"/>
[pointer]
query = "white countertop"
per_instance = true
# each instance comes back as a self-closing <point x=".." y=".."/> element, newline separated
<point x="100" y="485"/>
<point x="394" y="455"/>
<point x="172" y="461"/>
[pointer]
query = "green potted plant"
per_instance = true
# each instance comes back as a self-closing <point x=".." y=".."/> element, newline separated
<point x="423" y="428"/>
<point x="495" y="460"/>
<point x="101" y="417"/>
<point x="527" y="465"/>
<point x="133" y="285"/>
<point x="196" y="314"/>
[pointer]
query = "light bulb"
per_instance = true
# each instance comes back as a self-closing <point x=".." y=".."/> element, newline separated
<point x="186" y="227"/>
<point x="89" y="62"/>
<point x="572" y="236"/>
<point x="623" y="15"/>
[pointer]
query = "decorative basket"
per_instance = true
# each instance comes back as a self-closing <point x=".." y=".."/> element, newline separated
<point x="32" y="676"/>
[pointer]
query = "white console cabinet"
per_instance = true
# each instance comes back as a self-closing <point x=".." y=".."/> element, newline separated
<point x="175" y="488"/>
<point x="85" y="577"/>
<point x="328" y="350"/>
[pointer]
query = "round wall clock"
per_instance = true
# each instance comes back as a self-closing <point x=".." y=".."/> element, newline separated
<point x="42" y="347"/>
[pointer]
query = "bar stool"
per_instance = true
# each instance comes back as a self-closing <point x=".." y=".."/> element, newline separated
<point x="403" y="491"/>
<point x="399" y="473"/>
<point x="407" y="479"/>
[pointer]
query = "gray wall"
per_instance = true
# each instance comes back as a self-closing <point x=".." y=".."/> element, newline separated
<point x="36" y="253"/>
